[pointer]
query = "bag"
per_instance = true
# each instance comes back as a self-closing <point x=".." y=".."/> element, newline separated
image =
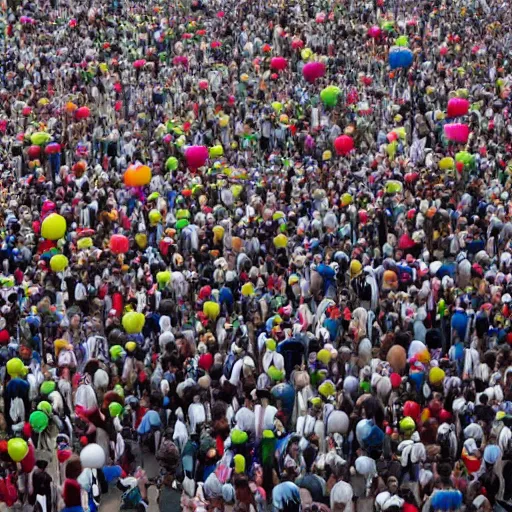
<point x="130" y="498"/>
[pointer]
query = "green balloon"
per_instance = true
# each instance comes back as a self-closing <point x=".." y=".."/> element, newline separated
<point x="115" y="409"/>
<point x="464" y="157"/>
<point x="40" y="138"/>
<point x="116" y="351"/>
<point x="45" y="407"/>
<point x="38" y="421"/>
<point x="182" y="223"/>
<point x="329" y="95"/>
<point x="239" y="436"/>
<point x="183" y="214"/>
<point x="402" y="41"/>
<point x="47" y="387"/>
<point x="171" y="164"/>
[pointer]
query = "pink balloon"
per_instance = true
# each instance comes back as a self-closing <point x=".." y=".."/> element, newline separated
<point x="457" y="132"/>
<point x="203" y="85"/>
<point x="140" y="63"/>
<point x="196" y="156"/>
<point x="320" y="17"/>
<point x="344" y="145"/>
<point x="180" y="60"/>
<point x="458" y="107"/>
<point x="278" y="63"/>
<point x="313" y="70"/>
<point x="374" y="32"/>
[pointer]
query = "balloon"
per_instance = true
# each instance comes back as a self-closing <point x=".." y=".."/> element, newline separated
<point x="58" y="263"/>
<point x="116" y="352"/>
<point x="238" y="436"/>
<point x="343" y="145"/>
<point x="436" y="376"/>
<point x="119" y="244"/>
<point x="400" y="57"/>
<point x="278" y="63"/>
<point x="52" y="149"/>
<point x="85" y="243"/>
<point x="224" y="121"/>
<point x="239" y="461"/>
<point x="275" y="374"/>
<point x="40" y="138"/>
<point x="306" y="53"/>
<point x="92" y="456"/>
<point x="277" y="106"/>
<point x="402" y="41"/>
<point x="196" y="156"/>
<point x="185" y="214"/>
<point x="141" y="239"/>
<point x="47" y="387"/>
<point x="247" y="289"/>
<point x="17" y="449"/>
<point x="34" y="152"/>
<point x="53" y="227"/>
<point x="446" y="163"/>
<point x="211" y="310"/>
<point x="171" y="164"/>
<point x="324" y="356"/>
<point x="133" y="322"/>
<point x="38" y="421"/>
<point x="374" y="32"/>
<point x="397" y="358"/>
<point x="154" y="217"/>
<point x="346" y="199"/>
<point x="218" y="234"/>
<point x="407" y="424"/>
<point x="15" y="367"/>
<point x="181" y="224"/>
<point x="457" y="107"/>
<point x="115" y="409"/>
<point x="46" y="407"/>
<point x="280" y="241"/>
<point x="216" y="151"/>
<point x="457" y="132"/>
<point x="137" y="176"/>
<point x="82" y="113"/>
<point x="464" y="157"/>
<point x="140" y="63"/>
<point x="329" y="95"/>
<point x="412" y="409"/>
<point x="130" y="346"/>
<point x="393" y="187"/>
<point x="163" y="277"/>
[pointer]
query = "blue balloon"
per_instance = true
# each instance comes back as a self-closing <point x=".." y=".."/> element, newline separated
<point x="400" y="58"/>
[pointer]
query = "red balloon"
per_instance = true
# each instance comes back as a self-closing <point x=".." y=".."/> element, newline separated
<point x="278" y="63"/>
<point x="313" y="71"/>
<point x="34" y="152"/>
<point x="52" y="149"/>
<point x="412" y="409"/>
<point x="374" y="32"/>
<point x="344" y="145"/>
<point x="396" y="380"/>
<point x="119" y="244"/>
<point x="82" y="113"/>
<point x="196" y="156"/>
<point x="459" y="166"/>
<point x="457" y="107"/>
<point x="445" y="416"/>
<point x="26" y="111"/>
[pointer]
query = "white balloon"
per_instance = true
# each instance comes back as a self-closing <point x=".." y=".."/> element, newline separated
<point x="93" y="456"/>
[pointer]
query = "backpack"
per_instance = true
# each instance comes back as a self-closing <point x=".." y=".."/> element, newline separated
<point x="228" y="365"/>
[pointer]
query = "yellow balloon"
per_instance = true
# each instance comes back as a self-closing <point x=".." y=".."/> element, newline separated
<point x="163" y="277"/>
<point x="211" y="310"/>
<point x="218" y="234"/>
<point x="247" y="289"/>
<point x="306" y="53"/>
<point x="53" y="227"/>
<point x="277" y="106"/>
<point x="133" y="322"/>
<point x="280" y="241"/>
<point x="59" y="262"/>
<point x="15" y="367"/>
<point x="436" y="376"/>
<point x="346" y="199"/>
<point x="85" y="243"/>
<point x="130" y="346"/>
<point x="236" y="190"/>
<point x="17" y="449"/>
<point x="446" y="163"/>
<point x="324" y="356"/>
<point x="239" y="461"/>
<point x="224" y="121"/>
<point x="141" y="239"/>
<point x="216" y="151"/>
<point x="154" y="217"/>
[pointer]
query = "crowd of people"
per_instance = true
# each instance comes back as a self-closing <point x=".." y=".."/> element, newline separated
<point x="267" y="244"/>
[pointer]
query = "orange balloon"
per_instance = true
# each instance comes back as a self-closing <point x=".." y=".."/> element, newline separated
<point x="236" y="243"/>
<point x="70" y="107"/>
<point x="137" y="176"/>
